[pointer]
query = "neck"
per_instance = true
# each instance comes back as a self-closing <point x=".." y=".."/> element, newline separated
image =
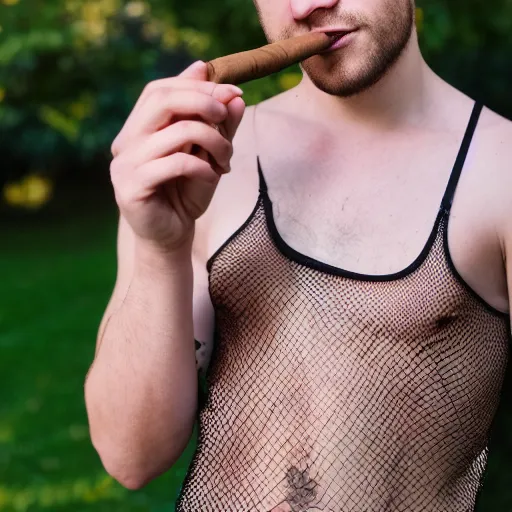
<point x="401" y="97"/>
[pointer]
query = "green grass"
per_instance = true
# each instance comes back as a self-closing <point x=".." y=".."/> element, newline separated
<point x="57" y="275"/>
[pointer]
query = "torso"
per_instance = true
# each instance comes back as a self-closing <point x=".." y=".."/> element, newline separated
<point x="366" y="205"/>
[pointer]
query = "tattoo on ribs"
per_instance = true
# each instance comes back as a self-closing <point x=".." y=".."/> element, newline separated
<point x="200" y="357"/>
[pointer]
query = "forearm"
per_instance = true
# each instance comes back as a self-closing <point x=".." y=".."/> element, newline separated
<point x="141" y="391"/>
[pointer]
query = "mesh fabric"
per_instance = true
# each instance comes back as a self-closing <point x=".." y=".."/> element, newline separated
<point x="328" y="392"/>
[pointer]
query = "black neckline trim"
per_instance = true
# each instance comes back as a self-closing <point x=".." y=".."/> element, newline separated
<point x="326" y="268"/>
<point x="444" y="210"/>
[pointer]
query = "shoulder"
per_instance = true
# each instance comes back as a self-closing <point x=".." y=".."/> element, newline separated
<point x="493" y="157"/>
<point x="493" y="152"/>
<point x="495" y="130"/>
<point x="495" y="135"/>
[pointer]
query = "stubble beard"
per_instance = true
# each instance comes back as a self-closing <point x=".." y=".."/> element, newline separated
<point x="350" y="74"/>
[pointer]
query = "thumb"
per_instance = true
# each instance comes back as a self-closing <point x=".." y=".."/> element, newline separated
<point x="236" y="109"/>
<point x="197" y="70"/>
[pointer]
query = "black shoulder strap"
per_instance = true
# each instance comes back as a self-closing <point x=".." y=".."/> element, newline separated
<point x="461" y="158"/>
<point x="262" y="183"/>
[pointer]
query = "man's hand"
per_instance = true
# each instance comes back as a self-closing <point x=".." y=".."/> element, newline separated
<point x="168" y="157"/>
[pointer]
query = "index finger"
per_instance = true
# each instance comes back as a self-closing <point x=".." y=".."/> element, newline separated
<point x="221" y="92"/>
<point x="196" y="73"/>
<point x="210" y="88"/>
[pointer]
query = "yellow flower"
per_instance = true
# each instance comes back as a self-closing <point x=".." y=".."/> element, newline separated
<point x="54" y="495"/>
<point x="135" y="9"/>
<point x="152" y="29"/>
<point x="33" y="191"/>
<point x="170" y="37"/>
<point x="13" y="194"/>
<point x="38" y="191"/>
<point x="197" y="42"/>
<point x="289" y="80"/>
<point x="91" y="12"/>
<point x="95" y="30"/>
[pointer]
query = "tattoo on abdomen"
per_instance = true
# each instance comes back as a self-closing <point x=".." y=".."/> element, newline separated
<point x="302" y="492"/>
<point x="302" y="488"/>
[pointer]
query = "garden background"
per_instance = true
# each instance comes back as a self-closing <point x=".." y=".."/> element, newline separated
<point x="70" y="72"/>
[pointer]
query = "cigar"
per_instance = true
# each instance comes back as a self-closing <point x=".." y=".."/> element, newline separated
<point x="246" y="66"/>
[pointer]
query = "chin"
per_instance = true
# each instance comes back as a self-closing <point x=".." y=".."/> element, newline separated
<point x="343" y="78"/>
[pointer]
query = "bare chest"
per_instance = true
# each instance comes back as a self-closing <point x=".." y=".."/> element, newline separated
<point x="368" y="212"/>
<point x="373" y="212"/>
<point x="369" y="204"/>
<point x="367" y="229"/>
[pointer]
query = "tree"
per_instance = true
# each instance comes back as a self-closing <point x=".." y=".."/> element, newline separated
<point x="70" y="74"/>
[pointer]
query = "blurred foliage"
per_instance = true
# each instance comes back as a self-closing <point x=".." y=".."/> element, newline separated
<point x="71" y="70"/>
<point x="60" y="273"/>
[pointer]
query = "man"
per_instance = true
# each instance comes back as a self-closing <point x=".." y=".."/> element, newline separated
<point x="352" y="270"/>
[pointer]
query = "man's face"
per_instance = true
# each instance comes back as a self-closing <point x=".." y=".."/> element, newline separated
<point x="384" y="27"/>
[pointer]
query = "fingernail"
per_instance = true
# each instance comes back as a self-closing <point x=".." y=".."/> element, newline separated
<point x="197" y="64"/>
<point x="237" y="89"/>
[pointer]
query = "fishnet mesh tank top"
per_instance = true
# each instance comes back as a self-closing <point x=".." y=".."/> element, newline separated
<point x="340" y="392"/>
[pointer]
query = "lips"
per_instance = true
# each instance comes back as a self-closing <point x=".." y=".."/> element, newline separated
<point x="339" y="38"/>
<point x="335" y="36"/>
<point x="338" y="34"/>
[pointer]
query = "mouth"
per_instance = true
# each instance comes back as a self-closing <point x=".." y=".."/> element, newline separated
<point x="339" y="38"/>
